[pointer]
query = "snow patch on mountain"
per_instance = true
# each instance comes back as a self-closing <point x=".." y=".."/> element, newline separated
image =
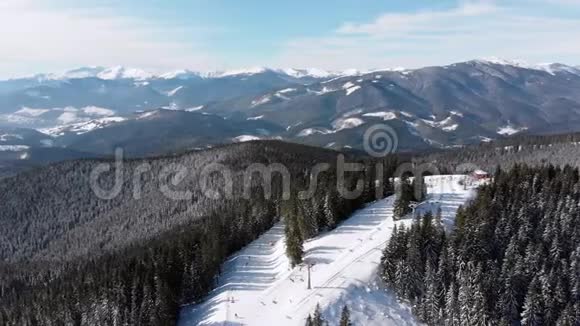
<point x="147" y="114"/>
<point x="313" y="131"/>
<point x="554" y="68"/>
<point x="352" y="90"/>
<point x="509" y="130"/>
<point x="446" y="124"/>
<point x="13" y="148"/>
<point x="287" y="90"/>
<point x="174" y="91"/>
<point x="246" y="71"/>
<point x="261" y="101"/>
<point x="307" y="72"/>
<point x="180" y="74"/>
<point x="323" y="91"/>
<point x="10" y="137"/>
<point x="193" y="109"/>
<point x="386" y="115"/>
<point x="120" y="72"/>
<point x="245" y="138"/>
<point x="348" y="123"/>
<point x="450" y="128"/>
<point x="81" y="127"/>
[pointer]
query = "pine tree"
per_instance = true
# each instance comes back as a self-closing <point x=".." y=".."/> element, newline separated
<point x="329" y="210"/>
<point x="345" y="317"/>
<point x="294" y="240"/>
<point x="317" y="319"/>
<point x="404" y="197"/>
<point x="309" y="321"/>
<point x="533" y="306"/>
<point x="452" y="317"/>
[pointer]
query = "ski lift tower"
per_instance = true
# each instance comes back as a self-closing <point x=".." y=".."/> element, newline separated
<point x="309" y="266"/>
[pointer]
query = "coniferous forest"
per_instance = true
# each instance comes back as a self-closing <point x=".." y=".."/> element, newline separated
<point x="513" y="257"/>
<point x="52" y="277"/>
<point x="69" y="258"/>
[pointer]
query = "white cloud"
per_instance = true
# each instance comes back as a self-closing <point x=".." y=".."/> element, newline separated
<point x="395" y="22"/>
<point x="469" y="30"/>
<point x="37" y="34"/>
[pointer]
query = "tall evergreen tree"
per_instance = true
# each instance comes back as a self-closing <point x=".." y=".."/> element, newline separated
<point x="404" y="197"/>
<point x="345" y="317"/>
<point x="317" y="319"/>
<point x="533" y="313"/>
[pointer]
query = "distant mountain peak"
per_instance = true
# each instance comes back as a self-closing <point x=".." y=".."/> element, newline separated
<point x="307" y="72"/>
<point x="551" y="68"/>
<point x="181" y="74"/>
<point x="137" y="74"/>
<point x="243" y="71"/>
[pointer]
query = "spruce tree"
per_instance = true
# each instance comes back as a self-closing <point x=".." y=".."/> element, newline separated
<point x="317" y="319"/>
<point x="345" y="317"/>
<point x="404" y="197"/>
<point x="294" y="240"/>
<point x="533" y="314"/>
<point x="309" y="321"/>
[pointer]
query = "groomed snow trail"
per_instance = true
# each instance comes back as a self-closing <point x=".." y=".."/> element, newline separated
<point x="258" y="287"/>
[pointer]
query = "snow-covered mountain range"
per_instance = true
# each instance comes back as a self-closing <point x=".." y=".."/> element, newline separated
<point x="439" y="106"/>
<point x="122" y="72"/>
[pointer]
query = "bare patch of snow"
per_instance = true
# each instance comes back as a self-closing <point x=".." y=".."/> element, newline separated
<point x="287" y="90"/>
<point x="247" y="72"/>
<point x="147" y="114"/>
<point x="313" y="131"/>
<point x="509" y="130"/>
<point x="193" y="109"/>
<point x="348" y="123"/>
<point x="452" y="127"/>
<point x="13" y="148"/>
<point x="352" y="90"/>
<point x="82" y="127"/>
<point x="386" y="115"/>
<point x="261" y="101"/>
<point x="8" y="137"/>
<point x="348" y="85"/>
<point x="245" y="138"/>
<point x="352" y="113"/>
<point x="174" y="91"/>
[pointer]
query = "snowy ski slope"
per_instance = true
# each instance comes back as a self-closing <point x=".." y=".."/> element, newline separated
<point x="259" y="288"/>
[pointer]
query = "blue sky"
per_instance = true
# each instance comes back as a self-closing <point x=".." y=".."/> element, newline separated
<point x="54" y="35"/>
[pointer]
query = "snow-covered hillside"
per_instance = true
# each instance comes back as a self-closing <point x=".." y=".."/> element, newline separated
<point x="259" y="288"/>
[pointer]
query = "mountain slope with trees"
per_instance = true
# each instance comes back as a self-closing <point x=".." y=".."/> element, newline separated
<point x="513" y="257"/>
<point x="70" y="257"/>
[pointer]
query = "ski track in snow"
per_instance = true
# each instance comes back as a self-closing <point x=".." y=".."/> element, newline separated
<point x="258" y="287"/>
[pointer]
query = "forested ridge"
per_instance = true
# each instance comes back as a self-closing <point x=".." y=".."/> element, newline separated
<point x="69" y="258"/>
<point x="558" y="150"/>
<point x="513" y="257"/>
